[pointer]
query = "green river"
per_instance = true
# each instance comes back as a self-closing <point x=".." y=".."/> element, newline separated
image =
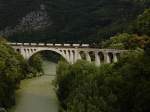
<point x="37" y="94"/>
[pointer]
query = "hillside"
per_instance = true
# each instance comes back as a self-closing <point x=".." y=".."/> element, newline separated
<point x="67" y="20"/>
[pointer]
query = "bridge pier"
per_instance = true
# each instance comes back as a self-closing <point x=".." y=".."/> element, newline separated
<point x="71" y="57"/>
<point x="97" y="59"/>
<point x="88" y="58"/>
<point x="106" y="58"/>
<point x="67" y="56"/>
<point x="77" y="56"/>
<point x="115" y="57"/>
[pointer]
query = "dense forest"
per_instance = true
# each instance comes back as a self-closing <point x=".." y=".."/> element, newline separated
<point x="68" y="20"/>
<point x="116" y="87"/>
<point x="119" y="87"/>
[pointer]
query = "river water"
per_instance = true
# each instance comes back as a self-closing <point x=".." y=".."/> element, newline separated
<point x="37" y="94"/>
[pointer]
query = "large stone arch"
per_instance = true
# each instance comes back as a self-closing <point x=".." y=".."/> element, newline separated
<point x="40" y="51"/>
<point x="29" y="52"/>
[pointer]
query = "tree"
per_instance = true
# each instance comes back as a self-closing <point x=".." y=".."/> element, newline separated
<point x="126" y="41"/>
<point x="118" y="87"/>
<point x="142" y="24"/>
<point x="119" y="41"/>
<point x="35" y="63"/>
<point x="11" y="72"/>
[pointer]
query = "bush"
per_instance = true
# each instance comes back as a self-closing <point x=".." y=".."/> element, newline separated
<point x="126" y="41"/>
<point x="118" y="87"/>
<point x="11" y="72"/>
<point x="35" y="65"/>
<point x="142" y="24"/>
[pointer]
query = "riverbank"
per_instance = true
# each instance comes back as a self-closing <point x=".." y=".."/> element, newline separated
<point x="37" y="94"/>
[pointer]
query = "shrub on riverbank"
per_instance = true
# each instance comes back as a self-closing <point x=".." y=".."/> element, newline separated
<point x="35" y="66"/>
<point x="119" y="87"/>
<point x="11" y="72"/>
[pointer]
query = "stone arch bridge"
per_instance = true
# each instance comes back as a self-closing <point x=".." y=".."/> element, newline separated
<point x="70" y="52"/>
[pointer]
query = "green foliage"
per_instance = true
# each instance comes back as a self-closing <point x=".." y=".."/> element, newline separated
<point x="138" y="42"/>
<point x="118" y="42"/>
<point x="35" y="64"/>
<point x="142" y="24"/>
<point x="134" y="94"/>
<point x="13" y="68"/>
<point x="83" y="87"/>
<point x="126" y="41"/>
<point x="147" y="48"/>
<point x="70" y="78"/>
<point x="118" y="87"/>
<point x="11" y="72"/>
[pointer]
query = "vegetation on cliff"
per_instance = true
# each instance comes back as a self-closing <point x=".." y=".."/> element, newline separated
<point x="70" y="20"/>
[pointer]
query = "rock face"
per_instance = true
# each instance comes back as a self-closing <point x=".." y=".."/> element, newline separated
<point x="72" y="20"/>
<point x="33" y="21"/>
<point x="2" y="110"/>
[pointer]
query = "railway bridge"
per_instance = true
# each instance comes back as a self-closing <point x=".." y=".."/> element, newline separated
<point x="70" y="52"/>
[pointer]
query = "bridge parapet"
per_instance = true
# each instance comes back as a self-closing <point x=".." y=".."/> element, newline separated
<point x="49" y="44"/>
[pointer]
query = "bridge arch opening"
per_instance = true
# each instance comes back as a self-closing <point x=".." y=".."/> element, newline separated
<point x="51" y="52"/>
<point x="118" y="55"/>
<point x="83" y="55"/>
<point x="101" y="57"/>
<point x="18" y="50"/>
<point x="92" y="55"/>
<point x="110" y="55"/>
<point x="49" y="60"/>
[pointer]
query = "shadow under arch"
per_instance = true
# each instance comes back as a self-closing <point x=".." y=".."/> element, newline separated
<point x="49" y="60"/>
<point x="51" y="52"/>
<point x="111" y="57"/>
